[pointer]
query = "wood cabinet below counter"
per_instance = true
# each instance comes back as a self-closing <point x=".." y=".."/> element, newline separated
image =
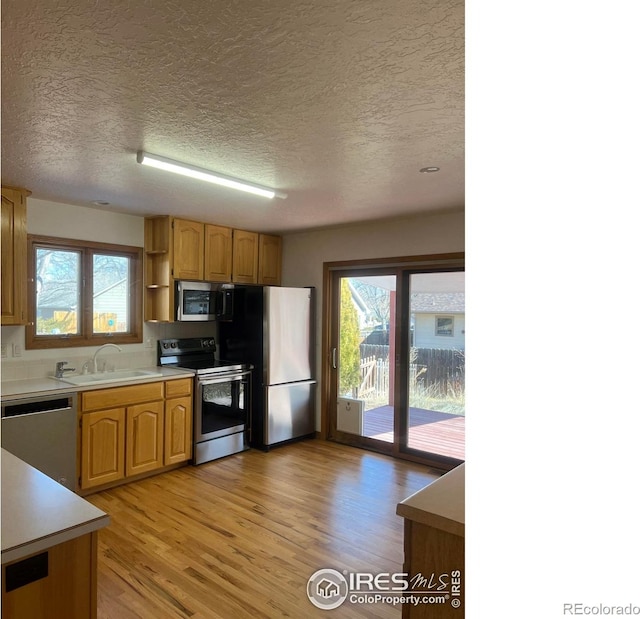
<point x="126" y="432"/>
<point x="434" y="520"/>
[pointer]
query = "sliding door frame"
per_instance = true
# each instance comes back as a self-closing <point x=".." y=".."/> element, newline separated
<point x="402" y="267"/>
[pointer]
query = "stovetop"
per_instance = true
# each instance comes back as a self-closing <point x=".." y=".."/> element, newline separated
<point x="202" y="366"/>
<point x="196" y="354"/>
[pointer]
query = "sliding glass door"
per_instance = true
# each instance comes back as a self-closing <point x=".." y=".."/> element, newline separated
<point x="396" y="360"/>
<point x="365" y="375"/>
<point x="434" y="364"/>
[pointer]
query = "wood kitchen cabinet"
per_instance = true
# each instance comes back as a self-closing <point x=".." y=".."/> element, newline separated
<point x="158" y="264"/>
<point x="14" y="255"/>
<point x="434" y="544"/>
<point x="178" y="416"/>
<point x="218" y="253"/>
<point x="245" y="257"/>
<point x="269" y="260"/>
<point x="144" y="438"/>
<point x="177" y="249"/>
<point x="188" y="249"/>
<point x="133" y="430"/>
<point x="102" y="439"/>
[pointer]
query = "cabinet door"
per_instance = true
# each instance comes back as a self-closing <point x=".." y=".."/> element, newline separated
<point x="14" y="256"/>
<point x="245" y="257"/>
<point x="177" y="430"/>
<point x="102" y="447"/>
<point x="217" y="253"/>
<point x="188" y="249"/>
<point x="270" y="260"/>
<point x="145" y="432"/>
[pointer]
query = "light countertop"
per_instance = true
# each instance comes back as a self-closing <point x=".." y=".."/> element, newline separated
<point x="47" y="385"/>
<point x="440" y="504"/>
<point x="38" y="513"/>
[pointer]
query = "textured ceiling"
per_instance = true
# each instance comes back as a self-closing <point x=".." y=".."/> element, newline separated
<point x="337" y="103"/>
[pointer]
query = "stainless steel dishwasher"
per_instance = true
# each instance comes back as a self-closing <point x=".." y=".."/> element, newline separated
<point x="42" y="432"/>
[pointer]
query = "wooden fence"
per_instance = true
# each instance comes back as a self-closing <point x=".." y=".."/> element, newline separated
<point x="103" y="322"/>
<point x="428" y="367"/>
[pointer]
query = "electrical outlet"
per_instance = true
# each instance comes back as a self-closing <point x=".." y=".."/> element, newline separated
<point x="17" y="350"/>
<point x="148" y="343"/>
<point x="3" y="350"/>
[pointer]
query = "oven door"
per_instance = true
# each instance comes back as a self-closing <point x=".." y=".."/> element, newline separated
<point x="223" y="404"/>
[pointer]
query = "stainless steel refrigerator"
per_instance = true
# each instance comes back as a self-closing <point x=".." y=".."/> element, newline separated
<point x="273" y="329"/>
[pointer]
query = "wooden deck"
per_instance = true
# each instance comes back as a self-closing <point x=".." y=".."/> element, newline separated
<point x="429" y="431"/>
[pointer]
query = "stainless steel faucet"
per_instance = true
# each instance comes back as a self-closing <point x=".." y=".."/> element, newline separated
<point x="95" y="362"/>
<point x="60" y="369"/>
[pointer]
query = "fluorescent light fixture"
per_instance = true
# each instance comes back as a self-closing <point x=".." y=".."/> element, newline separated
<point x="162" y="163"/>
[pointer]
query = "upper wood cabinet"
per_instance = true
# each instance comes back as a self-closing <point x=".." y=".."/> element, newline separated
<point x="269" y="260"/>
<point x="177" y="249"/>
<point x="14" y="256"/>
<point x="217" y="253"/>
<point x="158" y="280"/>
<point x="188" y="249"/>
<point x="245" y="257"/>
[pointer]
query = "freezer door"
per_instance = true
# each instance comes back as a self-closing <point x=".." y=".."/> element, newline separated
<point x="288" y="335"/>
<point x="289" y="412"/>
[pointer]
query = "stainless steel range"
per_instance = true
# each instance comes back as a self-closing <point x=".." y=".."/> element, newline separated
<point x="222" y="396"/>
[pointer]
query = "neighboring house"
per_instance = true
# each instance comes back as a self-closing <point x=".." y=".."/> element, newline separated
<point x="438" y="320"/>
<point x="113" y="303"/>
<point x="110" y="305"/>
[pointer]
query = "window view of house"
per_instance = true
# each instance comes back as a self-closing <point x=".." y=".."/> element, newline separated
<point x="59" y="277"/>
<point x="436" y="416"/>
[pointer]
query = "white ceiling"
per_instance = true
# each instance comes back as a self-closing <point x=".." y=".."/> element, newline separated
<point x="338" y="103"/>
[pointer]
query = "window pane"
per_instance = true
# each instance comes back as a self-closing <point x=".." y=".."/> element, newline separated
<point x="365" y="379"/>
<point x="436" y="416"/>
<point x="57" y="292"/>
<point x="111" y="283"/>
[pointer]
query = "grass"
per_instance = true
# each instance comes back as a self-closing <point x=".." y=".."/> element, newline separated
<point x="449" y="399"/>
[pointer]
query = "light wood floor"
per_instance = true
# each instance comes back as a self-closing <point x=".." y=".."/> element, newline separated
<point x="240" y="537"/>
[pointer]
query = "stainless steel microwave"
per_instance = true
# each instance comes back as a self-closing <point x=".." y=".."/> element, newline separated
<point x="203" y="301"/>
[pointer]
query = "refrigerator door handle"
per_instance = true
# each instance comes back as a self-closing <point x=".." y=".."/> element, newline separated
<point x="333" y="358"/>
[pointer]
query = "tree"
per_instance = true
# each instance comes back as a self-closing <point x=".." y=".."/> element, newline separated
<point x="349" y="342"/>
<point x="377" y="300"/>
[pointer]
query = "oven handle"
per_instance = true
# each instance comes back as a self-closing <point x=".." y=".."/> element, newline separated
<point x="224" y="378"/>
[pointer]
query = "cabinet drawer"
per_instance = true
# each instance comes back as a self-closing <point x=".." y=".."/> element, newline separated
<point x="121" y="396"/>
<point x="178" y="387"/>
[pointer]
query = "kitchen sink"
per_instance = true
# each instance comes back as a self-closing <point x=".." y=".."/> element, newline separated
<point x="109" y="377"/>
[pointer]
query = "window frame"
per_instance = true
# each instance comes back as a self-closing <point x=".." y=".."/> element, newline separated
<point x="86" y="337"/>
<point x="437" y="327"/>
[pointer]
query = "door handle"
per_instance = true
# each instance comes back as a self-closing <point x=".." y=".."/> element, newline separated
<point x="333" y="358"/>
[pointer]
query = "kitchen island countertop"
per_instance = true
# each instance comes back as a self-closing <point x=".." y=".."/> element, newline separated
<point x="38" y="513"/>
<point x="440" y="504"/>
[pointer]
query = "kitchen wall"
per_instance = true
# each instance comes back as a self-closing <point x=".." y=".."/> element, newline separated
<point x="304" y="254"/>
<point x="303" y="257"/>
<point x="89" y="224"/>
